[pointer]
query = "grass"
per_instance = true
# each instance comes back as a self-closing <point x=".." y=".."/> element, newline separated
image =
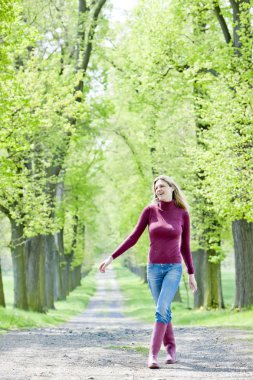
<point x="140" y="305"/>
<point x="228" y="287"/>
<point x="12" y="318"/>
<point x="140" y="349"/>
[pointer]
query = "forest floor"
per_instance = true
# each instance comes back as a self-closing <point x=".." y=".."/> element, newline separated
<point x="103" y="344"/>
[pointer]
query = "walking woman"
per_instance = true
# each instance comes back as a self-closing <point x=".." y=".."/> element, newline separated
<point x="168" y="222"/>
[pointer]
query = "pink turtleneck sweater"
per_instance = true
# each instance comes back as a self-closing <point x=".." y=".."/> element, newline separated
<point x="167" y="224"/>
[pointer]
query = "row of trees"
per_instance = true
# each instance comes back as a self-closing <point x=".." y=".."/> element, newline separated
<point x="49" y="144"/>
<point x="181" y="85"/>
<point x="93" y="110"/>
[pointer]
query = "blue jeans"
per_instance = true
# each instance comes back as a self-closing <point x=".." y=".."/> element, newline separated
<point x="163" y="282"/>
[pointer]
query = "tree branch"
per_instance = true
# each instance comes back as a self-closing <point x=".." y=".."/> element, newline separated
<point x="91" y="34"/>
<point x="222" y="22"/>
<point x="4" y="210"/>
<point x="130" y="146"/>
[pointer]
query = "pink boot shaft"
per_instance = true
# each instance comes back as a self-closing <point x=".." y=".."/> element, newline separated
<point x="170" y="344"/>
<point x="155" y="343"/>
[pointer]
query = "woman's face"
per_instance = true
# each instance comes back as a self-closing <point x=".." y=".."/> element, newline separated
<point x="163" y="190"/>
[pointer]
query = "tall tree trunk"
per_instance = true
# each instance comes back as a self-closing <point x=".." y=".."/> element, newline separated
<point x="78" y="270"/>
<point x="213" y="293"/>
<point x="243" y="244"/>
<point x="2" y="299"/>
<point x="60" y="268"/>
<point x="57" y="276"/>
<point x="69" y="259"/>
<point x="59" y="262"/>
<point x="72" y="279"/>
<point x="36" y="292"/>
<point x="178" y="297"/>
<point x="209" y="294"/>
<point x="208" y="277"/>
<point x="199" y="265"/>
<point x="18" y="254"/>
<point x="50" y="256"/>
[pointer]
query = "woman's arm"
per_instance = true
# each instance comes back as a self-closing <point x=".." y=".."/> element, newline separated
<point x="132" y="239"/>
<point x="186" y="252"/>
<point x="185" y="243"/>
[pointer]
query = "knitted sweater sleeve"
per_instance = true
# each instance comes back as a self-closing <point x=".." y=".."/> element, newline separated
<point x="185" y="243"/>
<point x="132" y="239"/>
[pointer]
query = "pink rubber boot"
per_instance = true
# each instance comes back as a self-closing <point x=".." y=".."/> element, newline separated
<point x="170" y="344"/>
<point x="155" y="343"/>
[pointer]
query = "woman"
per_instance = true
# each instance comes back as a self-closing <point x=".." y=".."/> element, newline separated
<point x="169" y="233"/>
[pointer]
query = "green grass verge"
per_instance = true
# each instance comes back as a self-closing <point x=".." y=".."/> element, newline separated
<point x="140" y="349"/>
<point x="140" y="305"/>
<point x="76" y="302"/>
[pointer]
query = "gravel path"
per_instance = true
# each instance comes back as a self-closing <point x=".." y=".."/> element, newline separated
<point x="103" y="344"/>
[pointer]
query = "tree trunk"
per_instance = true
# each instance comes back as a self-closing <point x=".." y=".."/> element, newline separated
<point x="212" y="292"/>
<point x="60" y="289"/>
<point x="64" y="278"/>
<point x="208" y="277"/>
<point x="72" y="279"/>
<point x="36" y="292"/>
<point x="2" y="299"/>
<point x="18" y="254"/>
<point x="178" y="297"/>
<point x="243" y="244"/>
<point x="199" y="265"/>
<point x="78" y="275"/>
<point x="68" y="259"/>
<point x="221" y="299"/>
<point x="50" y="251"/>
<point x="209" y="294"/>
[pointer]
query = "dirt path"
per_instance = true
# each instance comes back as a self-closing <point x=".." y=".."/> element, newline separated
<point x="102" y="344"/>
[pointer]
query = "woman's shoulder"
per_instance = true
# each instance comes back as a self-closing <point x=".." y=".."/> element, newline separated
<point x="148" y="208"/>
<point x="183" y="211"/>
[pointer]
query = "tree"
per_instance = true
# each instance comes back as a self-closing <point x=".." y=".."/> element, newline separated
<point x="228" y="160"/>
<point x="46" y="97"/>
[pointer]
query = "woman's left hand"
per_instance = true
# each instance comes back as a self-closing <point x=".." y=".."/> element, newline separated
<point x="193" y="283"/>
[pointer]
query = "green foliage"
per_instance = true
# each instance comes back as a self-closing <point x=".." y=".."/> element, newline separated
<point x="165" y="94"/>
<point x="46" y="121"/>
<point x="182" y="101"/>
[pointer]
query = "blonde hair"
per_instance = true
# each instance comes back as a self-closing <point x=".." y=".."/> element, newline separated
<point x="177" y="194"/>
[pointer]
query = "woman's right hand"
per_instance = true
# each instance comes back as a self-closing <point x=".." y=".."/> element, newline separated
<point x="105" y="264"/>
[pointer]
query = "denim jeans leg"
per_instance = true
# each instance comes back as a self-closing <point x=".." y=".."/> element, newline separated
<point x="169" y="288"/>
<point x="163" y="281"/>
<point x="155" y="280"/>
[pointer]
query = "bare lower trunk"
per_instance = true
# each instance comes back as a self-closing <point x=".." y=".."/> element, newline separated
<point x="36" y="274"/>
<point x="71" y="279"/>
<point x="57" y="277"/>
<point x="178" y="297"/>
<point x="49" y="270"/>
<point x="208" y="277"/>
<point x="213" y="292"/>
<point x="2" y="299"/>
<point x="199" y="265"/>
<point x="18" y="254"/>
<point x="68" y="273"/>
<point x="243" y="244"/>
<point x="78" y="271"/>
<point x="60" y="289"/>
<point x="64" y="279"/>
